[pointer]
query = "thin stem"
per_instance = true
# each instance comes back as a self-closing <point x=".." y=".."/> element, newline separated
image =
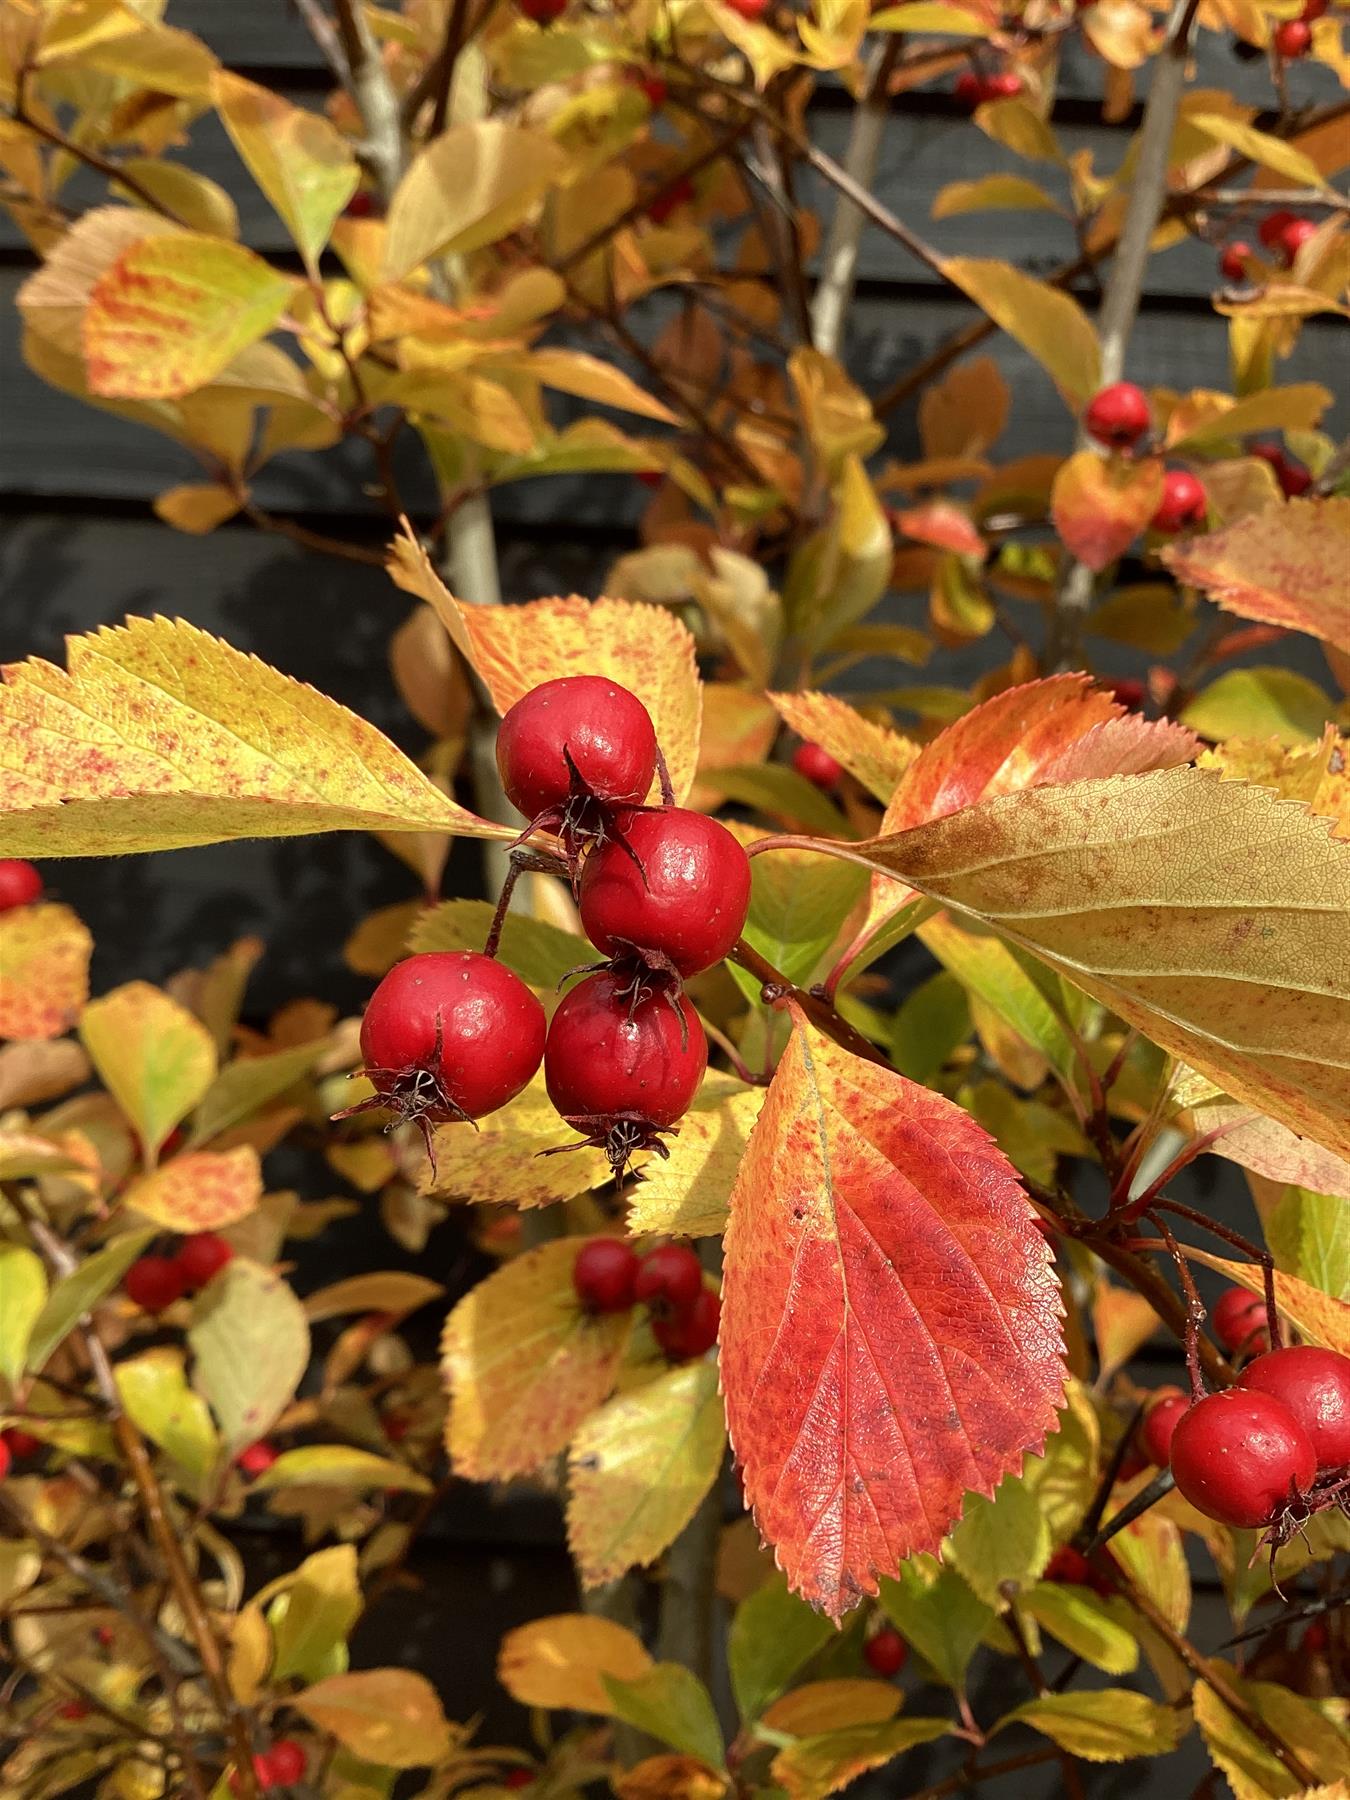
<point x="1147" y="1497"/>
<point x="1195" y="1307"/>
<point x="777" y="988"/>
<point x="1255" y="1251"/>
<point x="971" y="1777"/>
<point x="445" y="74"/>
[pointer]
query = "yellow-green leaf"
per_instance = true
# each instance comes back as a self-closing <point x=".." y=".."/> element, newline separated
<point x="687" y="1192"/>
<point x="80" y="1291"/>
<point x="816" y="1766"/>
<point x="939" y="1612"/>
<point x="1254" y="1772"/>
<point x="540" y="953"/>
<point x="251" y="1342"/>
<point x="669" y="1702"/>
<point x="774" y="1634"/>
<point x="1260" y="147"/>
<point x="155" y="1393"/>
<point x="472" y="185"/>
<point x="1110" y="1725"/>
<point x="339" y="1466"/>
<point x="44" y="952"/>
<point x="929" y="15"/>
<point x="296" y="157"/>
<point x="1264" y="702"/>
<point x="23" y="1294"/>
<point x="1099" y="1630"/>
<point x="1049" y="325"/>
<point x="197" y="507"/>
<point x="312" y="1615"/>
<point x="501" y="1163"/>
<point x="562" y="1661"/>
<point x="151" y="1054"/>
<point x="391" y="1717"/>
<point x="991" y="193"/>
<point x="246" y="1085"/>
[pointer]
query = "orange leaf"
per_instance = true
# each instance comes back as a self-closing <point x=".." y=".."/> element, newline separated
<point x="874" y="753"/>
<point x="891" y="1320"/>
<point x="941" y="524"/>
<point x="200" y="1192"/>
<point x="44" y="952"/>
<point x="1285" y="567"/>
<point x="1100" y="504"/>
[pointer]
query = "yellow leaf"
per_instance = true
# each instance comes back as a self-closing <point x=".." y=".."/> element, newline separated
<point x="766" y="50"/>
<point x="687" y="1193"/>
<point x="108" y="37"/>
<point x="23" y="1294"/>
<point x="558" y="1662"/>
<point x="525" y="1364"/>
<point x="1205" y="419"/>
<point x="311" y="1616"/>
<point x="1049" y="325"/>
<point x="173" y="311"/>
<point x="1108" y="1726"/>
<point x="836" y="412"/>
<point x="154" y="1391"/>
<point x="200" y="203"/>
<point x="201" y="1191"/>
<point x="251" y="1342"/>
<point x="991" y="193"/>
<point x="198" y="506"/>
<point x="297" y="158"/>
<point x="161" y="736"/>
<point x="1021" y="129"/>
<point x="1319" y="1317"/>
<point x="1122" y="1322"/>
<point x="44" y="952"/>
<point x="929" y="15"/>
<point x="1198" y="910"/>
<point x="154" y="1058"/>
<point x="476" y="182"/>
<point x="390" y="1291"/>
<point x="1260" y="147"/>
<point x="1285" y="567"/>
<point x="574" y="372"/>
<point x="820" y="1706"/>
<point x="813" y="1767"/>
<point x="1252" y="1770"/>
<point x="387" y="1716"/>
<point x="339" y="1466"/>
<point x="502" y="1163"/>
<point x="638" y="1469"/>
<point x="668" y="1777"/>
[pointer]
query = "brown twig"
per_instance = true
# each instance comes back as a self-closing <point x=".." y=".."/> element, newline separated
<point x="312" y="540"/>
<point x="777" y="988"/>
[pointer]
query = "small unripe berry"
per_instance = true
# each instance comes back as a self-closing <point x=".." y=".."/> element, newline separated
<point x="256" y="1459"/>
<point x="286" y="1763"/>
<point x="21" y="1444"/>
<point x="604" y="1274"/>
<point x="202" y="1256"/>
<point x="818" y="766"/>
<point x="1119" y="415"/>
<point x="1294" y="236"/>
<point x="1240" y="1321"/>
<point x="691" y="1333"/>
<point x="1183" y="502"/>
<point x="542" y="12"/>
<point x="154" y="1283"/>
<point x="669" y="1278"/>
<point x="580" y="730"/>
<point x="885" y="1652"/>
<point x="1315" y="1385"/>
<point x="1160" y="1421"/>
<point x="1293" y="38"/>
<point x="671" y="882"/>
<point x="20" y="883"/>
<point x="1273" y="227"/>
<point x="1241" y="1457"/>
<point x="1233" y="262"/>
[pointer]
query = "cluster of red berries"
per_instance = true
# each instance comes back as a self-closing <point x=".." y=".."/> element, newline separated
<point x="1293" y="37"/>
<point x="20" y="883"/>
<point x="1120" y="417"/>
<point x="155" y="1282"/>
<point x="885" y="1652"/>
<point x="1283" y="234"/>
<point x="610" y="1277"/>
<point x="280" y="1767"/>
<point x="973" y="89"/>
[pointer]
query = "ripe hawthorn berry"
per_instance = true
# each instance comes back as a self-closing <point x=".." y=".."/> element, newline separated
<point x="1316" y="1638"/>
<point x="885" y="1652"/>
<point x="818" y="766"/>
<point x="1160" y="1421"/>
<point x="670" y="889"/>
<point x="1118" y="415"/>
<point x="1233" y="261"/>
<point x="5" y="1459"/>
<point x="1006" y="85"/>
<point x="572" y="749"/>
<point x="669" y="1279"/>
<point x="749" y="9"/>
<point x="969" y="89"/>
<point x="542" y="12"/>
<point x="1273" y="227"/>
<point x="670" y="199"/>
<point x="1243" y="1458"/>
<point x="449" y="1034"/>
<point x="1128" y="690"/>
<point x="262" y="1774"/>
<point x="1240" y="1320"/>
<point x="73" y="1710"/>
<point x="256" y="1459"/>
<point x="1184" y="502"/>
<point x="286" y="1763"/>
<point x="604" y="1275"/>
<point x="21" y="1444"/>
<point x="1293" y="478"/>
<point x="1315" y="1385"/>
<point x="1293" y="39"/>
<point x="656" y="92"/>
<point x="362" y="205"/>
<point x="691" y="1333"/>
<point x="1069" y="1567"/>
<point x="154" y="1283"/>
<point x="20" y="883"/>
<point x="623" y="1063"/>
<point x="1294" y="236"/>
<point x="201" y="1256"/>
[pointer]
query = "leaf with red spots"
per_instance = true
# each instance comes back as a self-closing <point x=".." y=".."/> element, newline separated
<point x="44" y="953"/>
<point x="891" y="1320"/>
<point x="161" y="736"/>
<point x="1100" y="504"/>
<point x="200" y="1192"/>
<point x="173" y="311"/>
<point x="1286" y="566"/>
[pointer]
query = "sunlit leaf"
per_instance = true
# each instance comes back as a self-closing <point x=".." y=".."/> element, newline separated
<point x="1259" y="147"/>
<point x="80" y="1291"/>
<point x="1253" y="1770"/>
<point x="339" y="1466"/>
<point x="1264" y="702"/>
<point x="23" y="1294"/>
<point x="297" y="158"/>
<point x="1100" y="504"/>
<point x="469" y="187"/>
<point x="773" y="1635"/>
<point x="1110" y="1725"/>
<point x="154" y="1390"/>
<point x="1048" y="324"/>
<point x="686" y="1193"/>
<point x="154" y="1058"/>
<point x="44" y="952"/>
<point x="251" y="1342"/>
<point x="1100" y="1631"/>
<point x="562" y="1661"/>
<point x="1284" y="567"/>
<point x="200" y="1192"/>
<point x="820" y="1706"/>
<point x="816" y="1766"/>
<point x="311" y="1617"/>
<point x="503" y="1161"/>
<point x="992" y="193"/>
<point x="538" y="952"/>
<point x="392" y="1717"/>
<point x="874" y="753"/>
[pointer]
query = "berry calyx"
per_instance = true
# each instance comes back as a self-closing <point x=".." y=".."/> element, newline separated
<point x="1241" y="1457"/>
<point x="885" y="1652"/>
<point x="256" y="1459"/>
<point x="669" y="1279"/>
<point x="1240" y="1321"/>
<point x="1183" y="502"/>
<point x="1273" y="227"/>
<point x="818" y="766"/>
<point x="1315" y="1386"/>
<point x="542" y="12"/>
<point x="623" y="1063"/>
<point x="671" y="888"/>
<point x="20" y="883"/>
<point x="1119" y="415"/>
<point x="1293" y="478"/>
<point x="286" y="1763"/>
<point x="573" y="748"/>
<point x="1293" y="39"/>
<point x="449" y="1034"/>
<point x="1233" y="261"/>
<point x="691" y="1333"/>
<point x="154" y="1283"/>
<point x="202" y="1256"/>
<point x="1294" y="236"/>
<point x="604" y="1275"/>
<point x="1160" y="1421"/>
<point x="749" y="9"/>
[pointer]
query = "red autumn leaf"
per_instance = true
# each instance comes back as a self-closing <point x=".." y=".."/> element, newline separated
<point x="1100" y="504"/>
<point x="1128" y="746"/>
<point x="944" y="526"/>
<point x="891" y="1320"/>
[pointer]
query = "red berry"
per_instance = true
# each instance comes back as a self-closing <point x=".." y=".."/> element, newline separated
<point x="1160" y="1421"/>
<point x="602" y="730"/>
<point x="656" y="92"/>
<point x="201" y="1256"/>
<point x="20" y="883"/>
<point x="256" y="1459"/>
<point x="1316" y="1638"/>
<point x="1069" y="1565"/>
<point x="286" y="1763"/>
<point x="542" y="12"/>
<point x="1273" y="227"/>
<point x="1315" y="1385"/>
<point x="885" y="1652"/>
<point x="1313" y="10"/>
<point x="1003" y="86"/>
<point x="518" y="1778"/>
<point x="1239" y="1320"/>
<point x="669" y="1279"/>
<point x="1293" y="478"/>
<point x="671" y="882"/>
<point x="154" y="1283"/>
<point x="21" y="1444"/>
<point x="818" y="766"/>
<point x="4" y="1459"/>
<point x="451" y="1034"/>
<point x="651" y="478"/>
<point x="362" y="205"/>
<point x="1119" y="415"/>
<point x="1131" y="1465"/>
<point x="1128" y="691"/>
<point x="73" y="1709"/>
<point x="1241" y="1457"/>
<point x="670" y="199"/>
<point x="749" y="9"/>
<point x="969" y="89"/>
<point x="692" y="1333"/>
<point x="1294" y="236"/>
<point x="105" y="1637"/>
<point x="1233" y="262"/>
<point x="1183" y="502"/>
<point x="622" y="1068"/>
<point x="604" y="1275"/>
<point x="1293" y="38"/>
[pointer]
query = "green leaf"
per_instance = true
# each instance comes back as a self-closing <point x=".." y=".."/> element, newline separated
<point x="1313" y="1235"/>
<point x="1097" y="1629"/>
<point x="23" y="1294"/>
<point x="990" y="970"/>
<point x="152" y="1055"/>
<point x="1004" y="1538"/>
<point x="798" y="904"/>
<point x="933" y="1021"/>
<point x="244" y="1086"/>
<point x="311" y="1617"/>
<point x="1148" y="616"/>
<point x="251" y="1342"/>
<point x="339" y="1466"/>
<point x="1110" y="1725"/>
<point x="80" y="1291"/>
<point x="672" y="1704"/>
<point x="781" y="793"/>
<point x="160" y="1403"/>
<point x="773" y="1635"/>
<point x="298" y="159"/>
<point x="1260" y="703"/>
<point x="813" y="1767"/>
<point x="940" y="1614"/>
<point x="541" y="954"/>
